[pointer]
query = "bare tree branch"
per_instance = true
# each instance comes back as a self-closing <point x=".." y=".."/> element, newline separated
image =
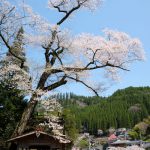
<point x="95" y="67"/>
<point x="11" y="52"/>
<point x="68" y="14"/>
<point x="93" y="59"/>
<point x="47" y="73"/>
<point x="77" y="80"/>
<point x="58" y="8"/>
<point x="5" y="15"/>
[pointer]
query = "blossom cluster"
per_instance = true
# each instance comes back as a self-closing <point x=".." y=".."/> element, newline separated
<point x="51" y="105"/>
<point x="18" y="76"/>
<point x="116" y="48"/>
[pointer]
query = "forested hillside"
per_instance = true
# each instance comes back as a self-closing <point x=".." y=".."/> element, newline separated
<point x="124" y="108"/>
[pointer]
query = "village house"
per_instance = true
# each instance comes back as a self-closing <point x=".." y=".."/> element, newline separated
<point x="38" y="140"/>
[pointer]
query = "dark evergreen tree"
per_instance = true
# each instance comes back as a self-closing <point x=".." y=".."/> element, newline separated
<point x="12" y="105"/>
<point x="19" y="51"/>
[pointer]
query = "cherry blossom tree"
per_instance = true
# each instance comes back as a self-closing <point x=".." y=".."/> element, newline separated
<point x="67" y="57"/>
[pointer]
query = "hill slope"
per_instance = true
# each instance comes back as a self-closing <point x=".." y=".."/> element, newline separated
<point x="124" y="108"/>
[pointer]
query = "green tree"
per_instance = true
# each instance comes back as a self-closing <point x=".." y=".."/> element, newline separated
<point x="12" y="105"/>
<point x="69" y="124"/>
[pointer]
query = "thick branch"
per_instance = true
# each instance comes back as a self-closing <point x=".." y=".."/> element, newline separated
<point x="53" y="71"/>
<point x="45" y="76"/>
<point x="55" y="55"/>
<point x="42" y="80"/>
<point x="56" y="84"/>
<point x="68" y="14"/>
<point x="93" y="68"/>
<point x="90" y="68"/>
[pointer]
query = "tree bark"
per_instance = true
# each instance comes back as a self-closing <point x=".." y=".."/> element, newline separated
<point x="25" y="117"/>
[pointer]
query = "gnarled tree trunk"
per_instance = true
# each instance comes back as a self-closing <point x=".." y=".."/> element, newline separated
<point x="25" y="117"/>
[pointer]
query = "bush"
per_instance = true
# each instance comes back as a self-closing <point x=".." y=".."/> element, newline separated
<point x="83" y="143"/>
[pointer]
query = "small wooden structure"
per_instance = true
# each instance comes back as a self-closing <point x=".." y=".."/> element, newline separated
<point x="38" y="140"/>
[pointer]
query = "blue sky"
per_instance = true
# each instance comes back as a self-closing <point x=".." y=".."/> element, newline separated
<point x="130" y="16"/>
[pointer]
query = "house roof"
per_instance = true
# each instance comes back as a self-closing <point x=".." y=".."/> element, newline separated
<point x="120" y="142"/>
<point x="37" y="133"/>
<point x="128" y="142"/>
